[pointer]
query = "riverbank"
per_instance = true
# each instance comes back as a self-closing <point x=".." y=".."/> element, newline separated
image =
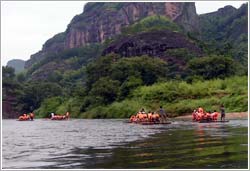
<point x="235" y="115"/>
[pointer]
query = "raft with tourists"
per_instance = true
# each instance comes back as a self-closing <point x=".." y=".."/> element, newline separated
<point x="150" y="118"/>
<point x="201" y="116"/>
<point x="26" y="117"/>
<point x="59" y="117"/>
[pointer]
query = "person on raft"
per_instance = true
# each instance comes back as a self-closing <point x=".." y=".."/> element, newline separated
<point x="150" y="116"/>
<point x="195" y="115"/>
<point x="222" y="111"/>
<point x="67" y="115"/>
<point x="207" y="116"/>
<point x="155" y="117"/>
<point x="32" y="115"/>
<point x="162" y="113"/>
<point x="52" y="115"/>
<point x="142" y="111"/>
<point x="200" y="110"/>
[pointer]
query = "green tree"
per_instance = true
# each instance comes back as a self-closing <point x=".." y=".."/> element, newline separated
<point x="127" y="86"/>
<point x="99" y="68"/>
<point x="211" y="67"/>
<point x="148" y="69"/>
<point x="111" y="78"/>
<point x="35" y="92"/>
<point x="104" y="91"/>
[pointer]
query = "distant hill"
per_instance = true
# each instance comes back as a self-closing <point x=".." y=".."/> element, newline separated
<point x="227" y="30"/>
<point x="17" y="64"/>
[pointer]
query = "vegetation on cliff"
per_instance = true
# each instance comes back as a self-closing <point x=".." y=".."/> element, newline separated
<point x="151" y="23"/>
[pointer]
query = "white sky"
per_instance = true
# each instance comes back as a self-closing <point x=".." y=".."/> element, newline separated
<point x="26" y="25"/>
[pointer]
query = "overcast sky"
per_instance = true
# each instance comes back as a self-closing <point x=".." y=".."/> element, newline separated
<point x="25" y="25"/>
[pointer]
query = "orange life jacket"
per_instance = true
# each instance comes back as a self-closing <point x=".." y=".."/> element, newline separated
<point x="149" y="115"/>
<point x="156" y="116"/>
<point x="215" y="115"/>
<point x="141" y="116"/>
<point x="199" y="116"/>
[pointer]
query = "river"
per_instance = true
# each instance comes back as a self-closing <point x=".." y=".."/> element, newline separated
<point x="114" y="144"/>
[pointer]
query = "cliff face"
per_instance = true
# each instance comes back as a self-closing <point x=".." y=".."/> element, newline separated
<point x="101" y="21"/>
<point x="100" y="27"/>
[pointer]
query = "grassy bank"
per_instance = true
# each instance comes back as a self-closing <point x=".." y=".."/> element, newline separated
<point x="179" y="97"/>
<point x="176" y="97"/>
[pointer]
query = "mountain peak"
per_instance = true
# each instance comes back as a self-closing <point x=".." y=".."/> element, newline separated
<point x="226" y="9"/>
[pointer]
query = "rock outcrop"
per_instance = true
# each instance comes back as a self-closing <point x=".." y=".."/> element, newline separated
<point x="101" y="21"/>
<point x="154" y="44"/>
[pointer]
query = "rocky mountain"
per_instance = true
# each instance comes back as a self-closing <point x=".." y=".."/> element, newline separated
<point x="113" y="26"/>
<point x="17" y="64"/>
<point x="101" y="21"/>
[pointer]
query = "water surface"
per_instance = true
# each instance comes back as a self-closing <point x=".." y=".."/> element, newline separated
<point x="112" y="143"/>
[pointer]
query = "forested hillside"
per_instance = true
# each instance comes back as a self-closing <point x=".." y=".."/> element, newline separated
<point x="226" y="32"/>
